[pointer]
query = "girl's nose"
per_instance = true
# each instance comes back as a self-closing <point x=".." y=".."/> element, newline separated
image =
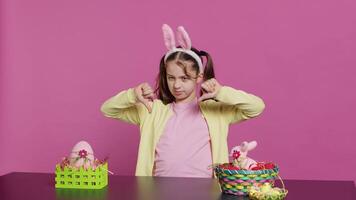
<point x="176" y="85"/>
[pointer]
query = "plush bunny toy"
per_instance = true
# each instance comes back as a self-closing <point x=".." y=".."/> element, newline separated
<point x="240" y="152"/>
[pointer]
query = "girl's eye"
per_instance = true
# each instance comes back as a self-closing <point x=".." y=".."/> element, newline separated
<point x="184" y="78"/>
<point x="170" y="78"/>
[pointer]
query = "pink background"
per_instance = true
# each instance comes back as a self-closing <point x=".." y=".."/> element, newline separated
<point x="61" y="59"/>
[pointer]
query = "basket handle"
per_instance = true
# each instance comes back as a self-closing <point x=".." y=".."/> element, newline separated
<point x="280" y="179"/>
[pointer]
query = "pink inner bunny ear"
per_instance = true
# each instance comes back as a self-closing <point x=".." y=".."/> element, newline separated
<point x="244" y="146"/>
<point x="183" y="38"/>
<point x="168" y="37"/>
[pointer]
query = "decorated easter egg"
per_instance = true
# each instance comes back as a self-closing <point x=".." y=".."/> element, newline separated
<point x="275" y="192"/>
<point x="266" y="187"/>
<point x="82" y="155"/>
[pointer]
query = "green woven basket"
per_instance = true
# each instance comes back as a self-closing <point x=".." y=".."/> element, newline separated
<point x="81" y="178"/>
<point x="257" y="194"/>
<point x="238" y="182"/>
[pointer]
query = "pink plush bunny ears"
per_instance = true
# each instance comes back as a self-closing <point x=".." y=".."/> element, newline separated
<point x="183" y="40"/>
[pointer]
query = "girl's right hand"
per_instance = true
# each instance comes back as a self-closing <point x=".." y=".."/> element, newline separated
<point x="145" y="95"/>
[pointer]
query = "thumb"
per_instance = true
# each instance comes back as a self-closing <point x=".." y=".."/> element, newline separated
<point x="205" y="96"/>
<point x="148" y="105"/>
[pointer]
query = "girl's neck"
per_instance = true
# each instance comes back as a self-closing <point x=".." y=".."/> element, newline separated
<point x="192" y="101"/>
<point x="186" y="105"/>
<point x="185" y="101"/>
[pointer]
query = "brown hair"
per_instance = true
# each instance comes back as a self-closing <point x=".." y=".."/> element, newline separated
<point x="162" y="90"/>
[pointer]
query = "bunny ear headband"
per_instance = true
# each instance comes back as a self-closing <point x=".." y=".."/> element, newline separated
<point x="183" y="40"/>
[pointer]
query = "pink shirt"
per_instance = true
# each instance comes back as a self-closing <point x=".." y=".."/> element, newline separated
<point x="184" y="148"/>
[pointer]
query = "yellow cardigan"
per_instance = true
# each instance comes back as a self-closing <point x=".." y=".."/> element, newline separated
<point x="230" y="106"/>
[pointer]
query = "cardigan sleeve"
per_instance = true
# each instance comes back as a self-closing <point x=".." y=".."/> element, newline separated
<point x="237" y="105"/>
<point x="123" y="106"/>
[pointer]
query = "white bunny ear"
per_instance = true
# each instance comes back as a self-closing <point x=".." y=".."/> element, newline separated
<point x="168" y="37"/>
<point x="183" y="38"/>
<point x="251" y="145"/>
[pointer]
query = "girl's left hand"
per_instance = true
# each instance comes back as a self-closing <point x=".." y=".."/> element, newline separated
<point x="210" y="88"/>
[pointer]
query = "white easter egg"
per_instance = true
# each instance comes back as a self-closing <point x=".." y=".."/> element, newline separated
<point x="266" y="187"/>
<point x="275" y="192"/>
<point x="82" y="155"/>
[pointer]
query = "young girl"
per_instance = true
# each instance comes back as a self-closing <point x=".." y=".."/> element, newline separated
<point x="182" y="134"/>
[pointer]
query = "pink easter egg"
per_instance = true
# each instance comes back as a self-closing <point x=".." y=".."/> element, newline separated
<point x="82" y="155"/>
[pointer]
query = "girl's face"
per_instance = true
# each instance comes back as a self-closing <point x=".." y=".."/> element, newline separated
<point x="181" y="85"/>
